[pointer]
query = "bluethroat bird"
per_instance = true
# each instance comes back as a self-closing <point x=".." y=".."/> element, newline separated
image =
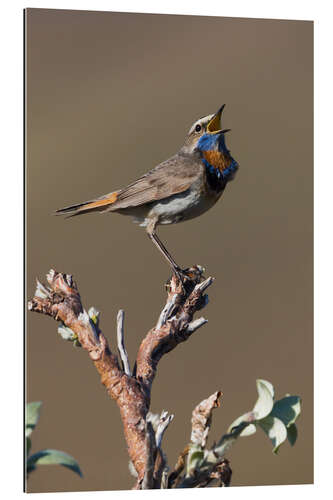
<point x="178" y="189"/>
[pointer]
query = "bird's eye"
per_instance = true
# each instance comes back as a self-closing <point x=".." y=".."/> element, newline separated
<point x="198" y="128"/>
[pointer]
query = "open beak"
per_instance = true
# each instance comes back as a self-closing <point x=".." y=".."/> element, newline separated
<point x="214" y="125"/>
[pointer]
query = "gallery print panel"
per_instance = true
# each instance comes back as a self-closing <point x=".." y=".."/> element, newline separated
<point x="175" y="352"/>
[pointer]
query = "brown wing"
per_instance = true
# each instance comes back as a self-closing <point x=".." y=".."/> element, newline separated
<point x="170" y="177"/>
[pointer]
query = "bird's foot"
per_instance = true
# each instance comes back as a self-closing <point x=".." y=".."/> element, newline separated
<point x="188" y="278"/>
<point x="195" y="273"/>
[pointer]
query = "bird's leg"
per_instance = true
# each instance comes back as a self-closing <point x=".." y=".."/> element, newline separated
<point x="176" y="269"/>
<point x="155" y="239"/>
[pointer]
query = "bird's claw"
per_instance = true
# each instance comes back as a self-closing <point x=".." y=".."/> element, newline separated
<point x="188" y="278"/>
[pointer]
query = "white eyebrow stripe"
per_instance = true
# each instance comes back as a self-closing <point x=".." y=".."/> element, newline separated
<point x="202" y="121"/>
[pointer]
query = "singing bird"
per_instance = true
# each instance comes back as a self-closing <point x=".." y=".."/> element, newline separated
<point x="178" y="189"/>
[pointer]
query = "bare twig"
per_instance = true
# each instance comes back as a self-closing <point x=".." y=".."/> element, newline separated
<point x="196" y="324"/>
<point x="159" y="341"/>
<point x="201" y="463"/>
<point x="222" y="473"/>
<point x="165" y="420"/>
<point x="148" y="478"/>
<point x="167" y="311"/>
<point x="62" y="302"/>
<point x="175" y="475"/>
<point x="121" y="343"/>
<point x="164" y="479"/>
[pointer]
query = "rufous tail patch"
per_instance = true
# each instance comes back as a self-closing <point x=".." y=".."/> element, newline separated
<point x="100" y="203"/>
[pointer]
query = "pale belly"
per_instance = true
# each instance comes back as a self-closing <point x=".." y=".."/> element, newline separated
<point x="177" y="208"/>
<point x="182" y="207"/>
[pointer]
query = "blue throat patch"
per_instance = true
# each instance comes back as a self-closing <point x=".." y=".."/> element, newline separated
<point x="208" y="142"/>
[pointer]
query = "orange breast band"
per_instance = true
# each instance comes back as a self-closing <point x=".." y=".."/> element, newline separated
<point x="216" y="159"/>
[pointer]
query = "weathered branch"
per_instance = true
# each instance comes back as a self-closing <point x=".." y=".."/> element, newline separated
<point x="151" y="450"/>
<point x="121" y="342"/>
<point x="203" y="466"/>
<point x="222" y="473"/>
<point x="197" y="466"/>
<point x="164" y="422"/>
<point x="173" y="330"/>
<point x="175" y="475"/>
<point x="202" y="418"/>
<point x="62" y="302"/>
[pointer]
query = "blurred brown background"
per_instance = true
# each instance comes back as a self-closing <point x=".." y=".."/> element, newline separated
<point x="110" y="95"/>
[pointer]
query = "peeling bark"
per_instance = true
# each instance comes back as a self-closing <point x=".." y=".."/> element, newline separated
<point x="62" y="301"/>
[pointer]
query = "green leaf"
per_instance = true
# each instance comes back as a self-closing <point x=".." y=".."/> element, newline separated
<point x="292" y="434"/>
<point x="27" y="445"/>
<point x="195" y="457"/>
<point x="66" y="333"/>
<point x="94" y="315"/>
<point x="264" y="404"/>
<point x="247" y="418"/>
<point x="53" y="457"/>
<point x="275" y="430"/>
<point x="261" y="409"/>
<point x="249" y="430"/>
<point x="228" y="439"/>
<point x="275" y="418"/>
<point x="287" y="409"/>
<point x="32" y="412"/>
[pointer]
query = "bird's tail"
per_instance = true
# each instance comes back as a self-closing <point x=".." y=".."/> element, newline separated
<point x="98" y="205"/>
